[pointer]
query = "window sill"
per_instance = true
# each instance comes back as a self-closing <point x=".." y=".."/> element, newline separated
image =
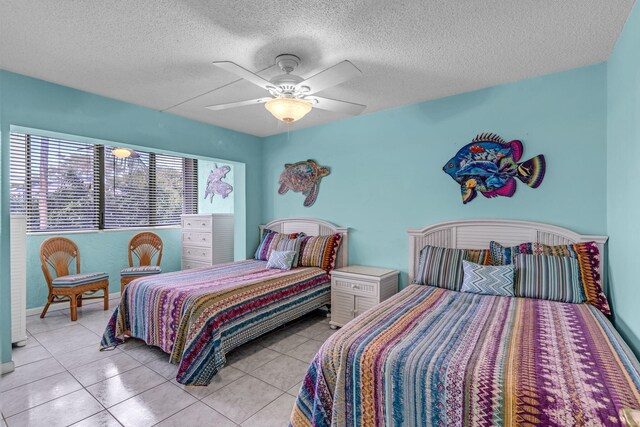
<point x="110" y="230"/>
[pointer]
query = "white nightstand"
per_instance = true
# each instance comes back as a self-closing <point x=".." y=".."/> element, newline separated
<point x="357" y="288"/>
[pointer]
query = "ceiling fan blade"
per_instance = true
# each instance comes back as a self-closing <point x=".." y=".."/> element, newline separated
<point x="239" y="71"/>
<point x="238" y="104"/>
<point x="338" y="106"/>
<point x="332" y="76"/>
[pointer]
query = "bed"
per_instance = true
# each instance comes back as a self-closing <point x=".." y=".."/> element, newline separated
<point x="433" y="356"/>
<point x="199" y="315"/>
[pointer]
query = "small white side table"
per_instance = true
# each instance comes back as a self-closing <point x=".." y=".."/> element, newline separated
<point x="357" y="288"/>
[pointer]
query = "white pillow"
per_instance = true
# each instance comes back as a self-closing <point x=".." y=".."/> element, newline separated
<point x="282" y="260"/>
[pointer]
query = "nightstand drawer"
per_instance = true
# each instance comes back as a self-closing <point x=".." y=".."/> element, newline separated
<point x="195" y="238"/>
<point x="197" y="253"/>
<point x="355" y="287"/>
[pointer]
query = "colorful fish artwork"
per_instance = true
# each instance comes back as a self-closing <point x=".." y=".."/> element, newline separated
<point x="215" y="185"/>
<point x="489" y="165"/>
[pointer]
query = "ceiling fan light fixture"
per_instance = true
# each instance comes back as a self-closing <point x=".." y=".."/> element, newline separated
<point x="288" y="110"/>
<point x="121" y="153"/>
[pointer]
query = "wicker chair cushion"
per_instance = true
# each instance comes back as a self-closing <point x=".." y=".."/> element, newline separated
<point x="141" y="271"/>
<point x="79" y="279"/>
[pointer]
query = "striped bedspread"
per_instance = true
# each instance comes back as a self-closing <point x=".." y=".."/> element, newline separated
<point x="434" y="357"/>
<point x="199" y="315"/>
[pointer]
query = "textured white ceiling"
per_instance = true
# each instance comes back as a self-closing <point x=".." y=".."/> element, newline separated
<point x="158" y="53"/>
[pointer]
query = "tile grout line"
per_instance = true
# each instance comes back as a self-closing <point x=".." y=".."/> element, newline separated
<point x="194" y="403"/>
<point x="259" y="342"/>
<point x="58" y="397"/>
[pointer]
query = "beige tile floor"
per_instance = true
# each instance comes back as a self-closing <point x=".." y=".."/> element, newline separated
<point x="62" y="379"/>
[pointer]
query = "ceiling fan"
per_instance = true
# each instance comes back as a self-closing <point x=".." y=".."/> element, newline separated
<point x="292" y="96"/>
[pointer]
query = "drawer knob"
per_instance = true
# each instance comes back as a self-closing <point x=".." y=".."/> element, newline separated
<point x="203" y="253"/>
<point x="188" y="223"/>
<point x="204" y="223"/>
<point x="189" y="252"/>
<point x="204" y="239"/>
<point x="189" y="238"/>
<point x="354" y="286"/>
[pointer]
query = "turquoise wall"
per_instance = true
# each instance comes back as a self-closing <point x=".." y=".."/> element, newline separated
<point x="33" y="103"/>
<point x="623" y="203"/>
<point x="386" y="168"/>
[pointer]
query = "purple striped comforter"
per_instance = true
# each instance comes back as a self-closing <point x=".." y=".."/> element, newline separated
<point x="434" y="357"/>
<point x="199" y="315"/>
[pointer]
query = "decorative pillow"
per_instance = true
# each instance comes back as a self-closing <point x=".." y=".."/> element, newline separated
<point x="488" y="279"/>
<point x="502" y="255"/>
<point x="319" y="251"/>
<point x="282" y="260"/>
<point x="442" y="267"/>
<point x="587" y="254"/>
<point x="555" y="278"/>
<point x="290" y="245"/>
<point x="270" y="240"/>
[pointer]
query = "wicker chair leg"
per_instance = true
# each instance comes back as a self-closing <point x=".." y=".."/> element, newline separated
<point x="80" y="300"/>
<point x="106" y="298"/>
<point x="74" y="308"/>
<point x="46" y="307"/>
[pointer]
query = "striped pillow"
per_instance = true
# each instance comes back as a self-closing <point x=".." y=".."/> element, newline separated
<point x="488" y="279"/>
<point x="554" y="278"/>
<point x="587" y="254"/>
<point x="442" y="267"/>
<point x="270" y="241"/>
<point x="319" y="251"/>
<point x="502" y="255"/>
<point x="289" y="245"/>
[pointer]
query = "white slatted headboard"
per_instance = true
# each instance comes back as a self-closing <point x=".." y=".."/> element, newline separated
<point x="312" y="227"/>
<point x="477" y="233"/>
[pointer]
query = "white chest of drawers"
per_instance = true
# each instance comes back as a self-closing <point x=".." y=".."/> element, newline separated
<point x="207" y="239"/>
<point x="357" y="288"/>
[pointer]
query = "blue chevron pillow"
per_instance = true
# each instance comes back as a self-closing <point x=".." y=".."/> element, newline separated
<point x="282" y="260"/>
<point x="488" y="279"/>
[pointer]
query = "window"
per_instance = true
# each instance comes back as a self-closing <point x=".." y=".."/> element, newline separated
<point x="64" y="185"/>
<point x="126" y="190"/>
<point x="54" y="182"/>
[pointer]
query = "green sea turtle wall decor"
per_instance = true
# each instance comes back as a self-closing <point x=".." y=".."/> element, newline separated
<point x="303" y="177"/>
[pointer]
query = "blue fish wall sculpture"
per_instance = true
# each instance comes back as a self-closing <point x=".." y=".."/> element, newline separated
<point x="489" y="165"/>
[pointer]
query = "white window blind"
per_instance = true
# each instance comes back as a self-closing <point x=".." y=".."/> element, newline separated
<point x="126" y="190"/>
<point x="171" y="184"/>
<point x="65" y="185"/>
<point x="53" y="182"/>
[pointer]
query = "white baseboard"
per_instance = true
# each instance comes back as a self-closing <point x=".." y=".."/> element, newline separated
<point x="62" y="306"/>
<point x="7" y="367"/>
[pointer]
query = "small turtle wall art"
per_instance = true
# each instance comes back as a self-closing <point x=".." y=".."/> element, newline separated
<point x="489" y="165"/>
<point x="303" y="177"/>
<point x="215" y="183"/>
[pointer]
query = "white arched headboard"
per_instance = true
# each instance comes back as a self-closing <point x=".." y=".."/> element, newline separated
<point x="477" y="233"/>
<point x="312" y="227"/>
